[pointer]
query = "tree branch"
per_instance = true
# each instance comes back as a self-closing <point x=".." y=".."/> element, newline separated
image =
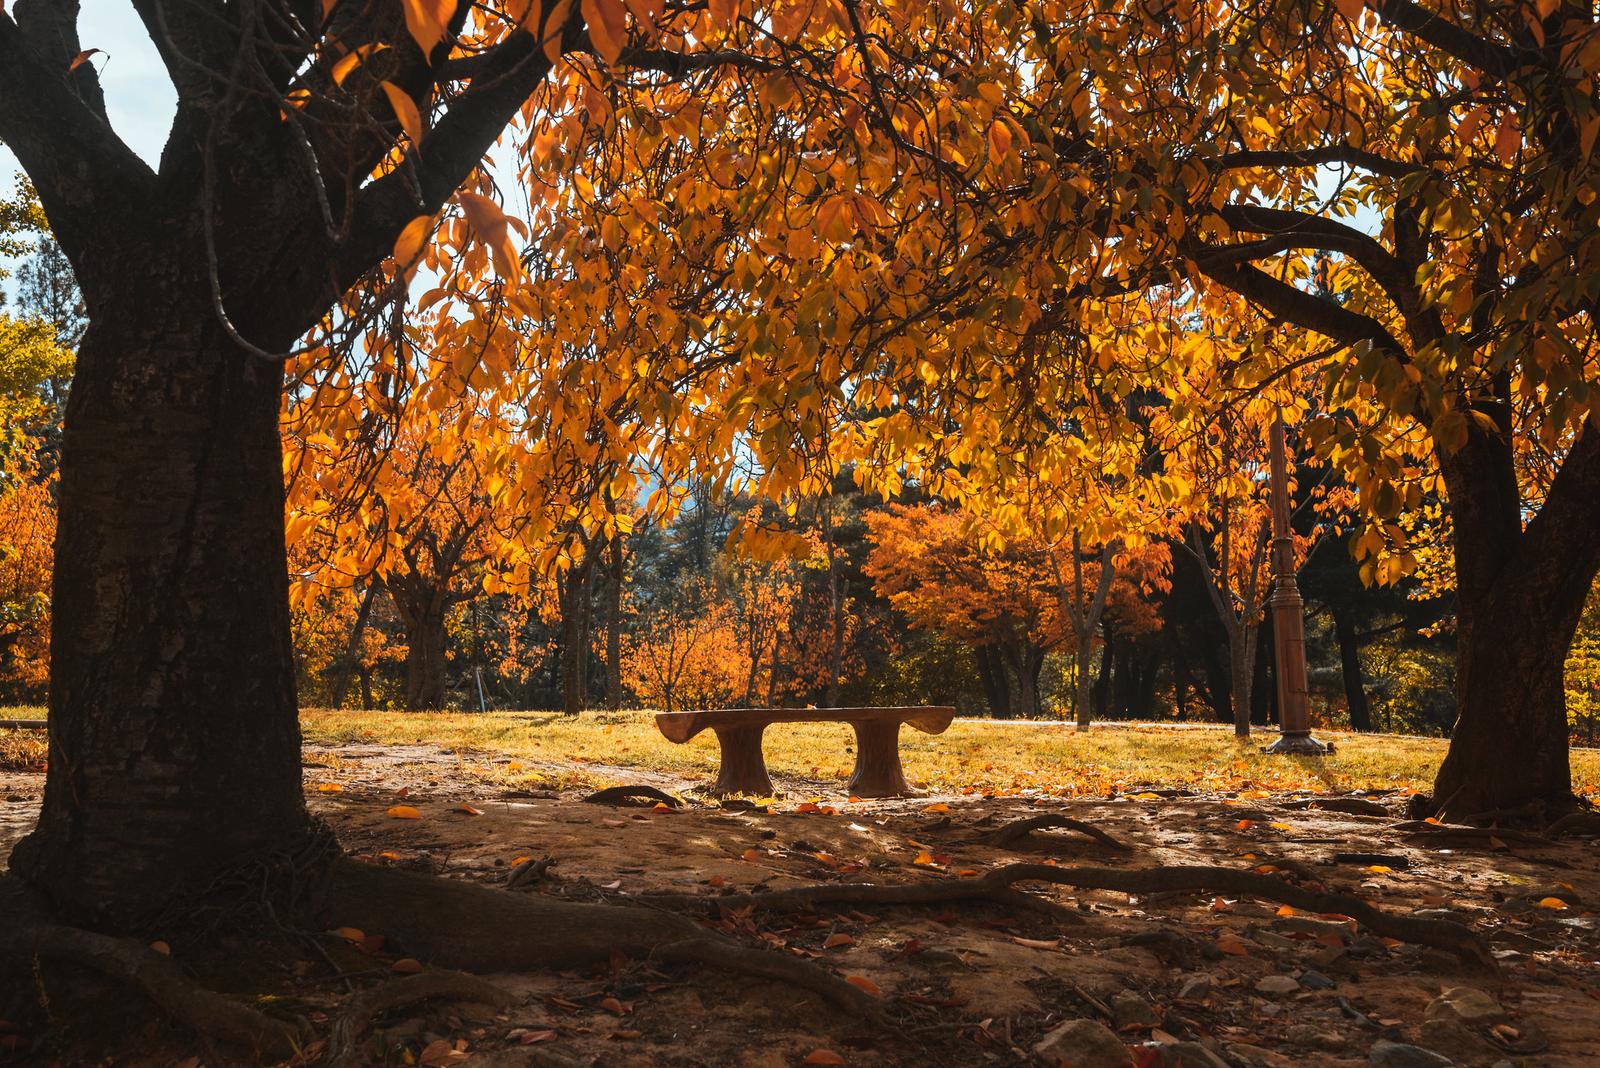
<point x="1457" y="41"/>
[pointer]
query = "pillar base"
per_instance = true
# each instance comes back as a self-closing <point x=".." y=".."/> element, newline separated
<point x="1298" y="743"/>
<point x="878" y="772"/>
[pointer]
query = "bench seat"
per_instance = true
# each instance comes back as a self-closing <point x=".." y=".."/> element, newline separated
<point x="878" y="772"/>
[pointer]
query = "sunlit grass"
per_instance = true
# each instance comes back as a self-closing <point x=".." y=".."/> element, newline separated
<point x="22" y="750"/>
<point x="971" y="756"/>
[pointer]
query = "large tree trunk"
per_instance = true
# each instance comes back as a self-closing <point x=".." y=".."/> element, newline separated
<point x="1355" y="687"/>
<point x="174" y="741"/>
<point x="425" y="681"/>
<point x="1520" y="594"/>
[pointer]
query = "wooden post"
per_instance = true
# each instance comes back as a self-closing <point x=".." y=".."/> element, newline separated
<point x="744" y="769"/>
<point x="878" y="772"/>
<point x="1288" y="618"/>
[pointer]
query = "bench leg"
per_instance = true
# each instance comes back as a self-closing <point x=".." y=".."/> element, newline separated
<point x="878" y="772"/>
<point x="744" y="770"/>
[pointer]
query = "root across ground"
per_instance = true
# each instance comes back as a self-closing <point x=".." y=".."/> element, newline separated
<point x="962" y="975"/>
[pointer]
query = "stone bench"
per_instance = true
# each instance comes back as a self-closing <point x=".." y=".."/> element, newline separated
<point x="744" y="769"/>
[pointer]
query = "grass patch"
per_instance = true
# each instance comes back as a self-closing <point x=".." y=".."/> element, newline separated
<point x="987" y="757"/>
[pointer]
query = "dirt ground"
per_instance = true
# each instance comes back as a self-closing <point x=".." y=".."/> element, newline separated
<point x="970" y="984"/>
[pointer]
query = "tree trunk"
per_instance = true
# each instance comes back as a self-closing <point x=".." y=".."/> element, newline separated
<point x="1355" y="687"/>
<point x="174" y="740"/>
<point x="991" y="673"/>
<point x="425" y="637"/>
<point x="1242" y="660"/>
<point x="1520" y="595"/>
<point x="1264" y="684"/>
<point x="614" y="578"/>
<point x="352" y="647"/>
<point x="574" y="640"/>
<point x="1083" y="689"/>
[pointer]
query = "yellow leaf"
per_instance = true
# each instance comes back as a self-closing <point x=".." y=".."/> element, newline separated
<point x="404" y="812"/>
<point x="607" y="23"/>
<point x="493" y="229"/>
<point x="330" y="788"/>
<point x="999" y="139"/>
<point x="405" y="110"/>
<point x="1379" y="869"/>
<point x="937" y="807"/>
<point x="411" y="239"/>
<point x="924" y="858"/>
<point x="351" y="60"/>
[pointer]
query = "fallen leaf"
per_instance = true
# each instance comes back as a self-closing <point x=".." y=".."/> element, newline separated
<point x="836" y="940"/>
<point x="406" y="966"/>
<point x="350" y="934"/>
<point x="469" y="810"/>
<point x="823" y="1056"/>
<point x="1551" y="903"/>
<point x="750" y="854"/>
<point x="330" y="788"/>
<point x="861" y="982"/>
<point x="81" y="58"/>
<point x="1245" y="825"/>
<point x="1035" y="943"/>
<point x="924" y="858"/>
<point x="404" y="812"/>
<point x="531" y="1037"/>
<point x="1232" y="945"/>
<point x="166" y="950"/>
<point x="937" y="807"/>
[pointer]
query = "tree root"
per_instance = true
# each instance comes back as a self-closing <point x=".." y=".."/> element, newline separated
<point x="1585" y="823"/>
<point x="792" y="971"/>
<point x="1020" y="829"/>
<point x="1349" y="806"/>
<point x="1441" y="934"/>
<point x="456" y="924"/>
<point x="205" y="1012"/>
<point x="344" y="1043"/>
<point x="622" y="795"/>
<point x="1461" y="832"/>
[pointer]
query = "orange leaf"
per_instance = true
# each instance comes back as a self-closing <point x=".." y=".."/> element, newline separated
<point x="552" y="28"/>
<point x="1245" y="825"/>
<point x="404" y="812"/>
<point x="937" y="807"/>
<point x="405" y="110"/>
<point x="750" y="854"/>
<point x="924" y="858"/>
<point x="350" y="934"/>
<point x="406" y="966"/>
<point x="493" y="229"/>
<point x="1508" y="139"/>
<point x="426" y="21"/>
<point x="823" y="1056"/>
<point x="81" y="58"/>
<point x="1551" y="903"/>
<point x="166" y="950"/>
<point x="469" y="810"/>
<point x="1232" y="945"/>
<point x="607" y="23"/>
<point x="861" y="982"/>
<point x="1350" y="9"/>
<point x="836" y="940"/>
<point x="613" y="1006"/>
<point x="329" y="788"/>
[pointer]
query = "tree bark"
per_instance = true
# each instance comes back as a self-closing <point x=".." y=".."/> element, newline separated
<point x="1083" y="688"/>
<point x="425" y="676"/>
<point x="1355" y="687"/>
<point x="174" y="740"/>
<point x="1520" y="595"/>
<point x="614" y="578"/>
<point x="991" y="673"/>
<point x="1242" y="661"/>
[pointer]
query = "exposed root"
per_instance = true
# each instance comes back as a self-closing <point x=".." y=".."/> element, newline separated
<point x="1020" y="829"/>
<point x="1458" y="832"/>
<point x="456" y="924"/>
<point x="622" y="795"/>
<point x="1349" y="806"/>
<point x="765" y="964"/>
<point x="1585" y="823"/>
<point x="345" y="1041"/>
<point x="529" y="872"/>
<point x="203" y="1011"/>
<point x="1441" y="934"/>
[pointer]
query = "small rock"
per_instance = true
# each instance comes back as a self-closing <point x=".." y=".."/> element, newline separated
<point x="1189" y="1055"/>
<point x="1197" y="988"/>
<point x="1084" y="1044"/>
<point x="1452" y="1038"/>
<point x="1131" y="1010"/>
<point x="1276" y="941"/>
<point x="1277" y="985"/>
<point x="1468" y="1004"/>
<point x="1398" y="1055"/>
<point x="1313" y="1038"/>
<point x="1316" y="981"/>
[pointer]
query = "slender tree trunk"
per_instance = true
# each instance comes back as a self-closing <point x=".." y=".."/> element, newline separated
<point x="1264" y="684"/>
<point x="1355" y="687"/>
<point x="1083" y="688"/>
<point x="1242" y="660"/>
<point x="835" y="613"/>
<point x="574" y="640"/>
<point x="1102" y="684"/>
<point x="174" y="740"/>
<point x="352" y="647"/>
<point x="614" y="625"/>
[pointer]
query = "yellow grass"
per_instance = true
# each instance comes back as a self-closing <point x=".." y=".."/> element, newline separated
<point x="975" y="756"/>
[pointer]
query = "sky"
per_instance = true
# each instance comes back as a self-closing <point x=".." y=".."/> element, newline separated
<point x="139" y="97"/>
